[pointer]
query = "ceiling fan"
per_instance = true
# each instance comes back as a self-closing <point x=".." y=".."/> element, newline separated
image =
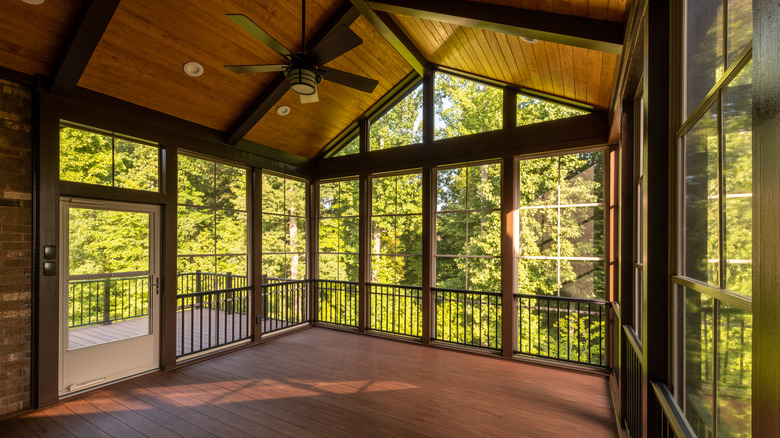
<point x="304" y="69"/>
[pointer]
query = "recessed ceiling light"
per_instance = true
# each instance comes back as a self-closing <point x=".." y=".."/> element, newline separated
<point x="193" y="69"/>
<point x="529" y="40"/>
<point x="34" y="2"/>
<point x="283" y="110"/>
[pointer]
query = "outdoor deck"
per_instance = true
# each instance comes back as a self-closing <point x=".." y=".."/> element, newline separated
<point x="208" y="328"/>
<point x="323" y="382"/>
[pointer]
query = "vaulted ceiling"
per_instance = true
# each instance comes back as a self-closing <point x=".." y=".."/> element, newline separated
<point x="136" y="53"/>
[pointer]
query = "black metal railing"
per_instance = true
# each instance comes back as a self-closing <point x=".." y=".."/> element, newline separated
<point x="285" y="304"/>
<point x="198" y="281"/>
<point x="561" y="328"/>
<point x="105" y="300"/>
<point x="337" y="302"/>
<point x="671" y="421"/>
<point x="395" y="309"/>
<point x="633" y="416"/>
<point x="212" y="319"/>
<point x="467" y="317"/>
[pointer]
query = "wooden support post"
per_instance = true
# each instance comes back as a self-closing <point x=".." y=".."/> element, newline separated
<point x="509" y="227"/>
<point x="428" y="262"/>
<point x="255" y="184"/>
<point x="364" y="253"/>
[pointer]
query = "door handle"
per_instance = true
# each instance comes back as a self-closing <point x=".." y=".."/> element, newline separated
<point x="157" y="285"/>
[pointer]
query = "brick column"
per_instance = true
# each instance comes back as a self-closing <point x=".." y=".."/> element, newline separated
<point x="15" y="247"/>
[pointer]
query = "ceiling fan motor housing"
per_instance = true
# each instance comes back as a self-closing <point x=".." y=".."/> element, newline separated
<point x="303" y="80"/>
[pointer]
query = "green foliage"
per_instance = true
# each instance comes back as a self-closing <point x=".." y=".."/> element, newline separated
<point x="531" y="110"/>
<point x="284" y="227"/>
<point x="463" y="107"/>
<point x="106" y="160"/>
<point x="353" y="147"/>
<point x="338" y="230"/>
<point x="401" y="125"/>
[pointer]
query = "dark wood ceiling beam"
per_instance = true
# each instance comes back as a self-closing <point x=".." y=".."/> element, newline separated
<point x="92" y="20"/>
<point x="601" y="35"/>
<point x="345" y="15"/>
<point x="388" y="28"/>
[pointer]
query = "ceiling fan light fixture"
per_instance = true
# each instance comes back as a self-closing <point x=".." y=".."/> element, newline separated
<point x="33" y="2"/>
<point x="303" y="80"/>
<point x="529" y="40"/>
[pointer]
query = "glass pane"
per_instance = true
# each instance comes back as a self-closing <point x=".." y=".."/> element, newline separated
<point x="451" y="189"/>
<point x="531" y="110"/>
<point x="383" y="195"/>
<point x="738" y="183"/>
<point x="348" y="267"/>
<point x="699" y="358"/>
<point x="295" y="197"/>
<point x="538" y="182"/>
<point x="275" y="266"/>
<point x="463" y="107"/>
<point x="735" y="363"/>
<point x="349" y="235"/>
<point x="383" y="269"/>
<point x="196" y="181"/>
<point x="236" y="267"/>
<point x="700" y="216"/>
<point x="740" y="27"/>
<point x="187" y="269"/>
<point x="230" y="187"/>
<point x="484" y="274"/>
<point x="451" y="272"/>
<point x="273" y="194"/>
<point x="408" y="271"/>
<point x="231" y="232"/>
<point x="296" y="227"/>
<point x="408" y="232"/>
<point x="537" y="277"/>
<point x="582" y="232"/>
<point x="274" y="233"/>
<point x="401" y="125"/>
<point x="704" y="49"/>
<point x="409" y="193"/>
<point x="85" y="156"/>
<point x="197" y="231"/>
<point x="136" y="166"/>
<point x="328" y="267"/>
<point x="451" y="233"/>
<point x="101" y="241"/>
<point x="353" y="147"/>
<point x="484" y="233"/>
<point x="582" y="178"/>
<point x="383" y="235"/>
<point x="329" y="235"/>
<point x="582" y="279"/>
<point x="349" y="197"/>
<point x="329" y="199"/>
<point x="484" y="191"/>
<point x="538" y="232"/>
<point x="297" y="263"/>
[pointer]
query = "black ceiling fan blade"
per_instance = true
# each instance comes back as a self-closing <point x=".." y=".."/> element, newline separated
<point x="361" y="83"/>
<point x="337" y="43"/>
<point x="253" y="29"/>
<point x="256" y="68"/>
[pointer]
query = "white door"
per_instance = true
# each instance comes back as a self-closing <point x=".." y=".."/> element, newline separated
<point x="109" y="292"/>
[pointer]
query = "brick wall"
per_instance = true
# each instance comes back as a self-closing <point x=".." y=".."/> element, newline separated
<point x="15" y="246"/>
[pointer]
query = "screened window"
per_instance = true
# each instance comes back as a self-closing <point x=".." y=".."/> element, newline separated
<point x="212" y="225"/>
<point x="396" y="230"/>
<point x="353" y="147"/>
<point x="108" y="159"/>
<point x="284" y="227"/>
<point x="401" y="125"/>
<point x="561" y="220"/>
<point x="338" y="230"/>
<point x="468" y="228"/>
<point x="531" y="110"/>
<point x="463" y="107"/>
<point x="714" y="273"/>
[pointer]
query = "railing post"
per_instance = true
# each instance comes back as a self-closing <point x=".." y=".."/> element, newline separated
<point x="258" y="307"/>
<point x="198" y="287"/>
<point x="107" y="301"/>
<point x="229" y="304"/>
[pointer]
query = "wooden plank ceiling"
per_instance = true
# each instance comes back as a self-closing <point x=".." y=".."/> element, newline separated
<point x="140" y="56"/>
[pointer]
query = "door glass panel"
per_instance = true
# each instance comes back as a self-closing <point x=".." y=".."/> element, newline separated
<point x="109" y="279"/>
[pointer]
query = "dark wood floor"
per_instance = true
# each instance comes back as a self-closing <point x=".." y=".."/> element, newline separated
<point x="322" y="382"/>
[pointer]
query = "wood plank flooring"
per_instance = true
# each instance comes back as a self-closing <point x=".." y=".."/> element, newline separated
<point x="327" y="383"/>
